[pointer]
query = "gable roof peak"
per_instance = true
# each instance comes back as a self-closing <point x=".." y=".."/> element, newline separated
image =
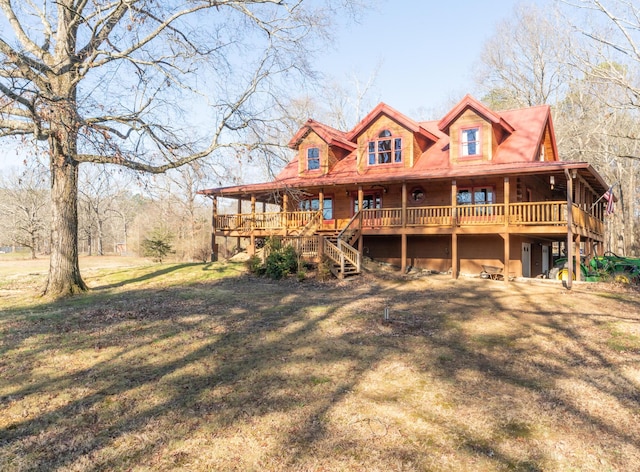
<point x="384" y="109"/>
<point x="330" y="135"/>
<point x="470" y="102"/>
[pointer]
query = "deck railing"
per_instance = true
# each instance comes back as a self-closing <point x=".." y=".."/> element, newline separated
<point x="489" y="214"/>
<point x="535" y="213"/>
<point x="528" y="213"/>
<point x="381" y="217"/>
<point x="583" y="219"/>
<point x="264" y="221"/>
<point x="429" y="216"/>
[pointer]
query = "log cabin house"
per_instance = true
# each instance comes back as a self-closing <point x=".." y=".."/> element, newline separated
<point x="476" y="188"/>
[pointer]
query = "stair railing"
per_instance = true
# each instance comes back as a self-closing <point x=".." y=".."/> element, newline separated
<point x="347" y="234"/>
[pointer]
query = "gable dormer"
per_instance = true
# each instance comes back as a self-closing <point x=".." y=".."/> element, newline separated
<point x="319" y="148"/>
<point x="387" y="139"/>
<point x="475" y="132"/>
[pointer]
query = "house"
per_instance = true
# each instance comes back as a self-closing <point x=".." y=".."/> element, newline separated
<point x="476" y="188"/>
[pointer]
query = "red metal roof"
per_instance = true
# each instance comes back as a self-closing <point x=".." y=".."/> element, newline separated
<point x="516" y="154"/>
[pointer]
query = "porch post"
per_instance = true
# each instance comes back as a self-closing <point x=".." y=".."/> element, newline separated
<point x="507" y="255"/>
<point x="454" y="255"/>
<point x="214" y="216"/>
<point x="404" y="204"/>
<point x="569" y="228"/>
<point x="285" y="209"/>
<point x="507" y="236"/>
<point x="360" y="202"/>
<point x="578" y="258"/>
<point x="507" y="201"/>
<point x="403" y="253"/>
<point x="403" y="243"/>
<point x="321" y="204"/>
<point x="238" y="239"/>
<point x="252" y="245"/>
<point x="454" y="225"/>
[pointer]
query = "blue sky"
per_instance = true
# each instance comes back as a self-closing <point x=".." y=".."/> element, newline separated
<point x="426" y="50"/>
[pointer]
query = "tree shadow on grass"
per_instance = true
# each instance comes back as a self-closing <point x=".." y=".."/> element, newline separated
<point x="146" y="277"/>
<point x="253" y="374"/>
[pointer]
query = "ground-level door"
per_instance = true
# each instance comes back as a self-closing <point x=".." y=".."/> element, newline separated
<point x="526" y="259"/>
<point x="545" y="259"/>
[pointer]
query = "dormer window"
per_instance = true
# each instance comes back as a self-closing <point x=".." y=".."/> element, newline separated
<point x="385" y="150"/>
<point x="470" y="141"/>
<point x="313" y="158"/>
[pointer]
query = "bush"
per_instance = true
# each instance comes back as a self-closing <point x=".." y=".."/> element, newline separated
<point x="255" y="266"/>
<point x="158" y="245"/>
<point x="280" y="262"/>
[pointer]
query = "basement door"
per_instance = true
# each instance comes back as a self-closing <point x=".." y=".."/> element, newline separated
<point x="545" y="259"/>
<point x="526" y="259"/>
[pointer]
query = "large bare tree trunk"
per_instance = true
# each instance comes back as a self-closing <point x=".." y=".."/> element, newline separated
<point x="64" y="270"/>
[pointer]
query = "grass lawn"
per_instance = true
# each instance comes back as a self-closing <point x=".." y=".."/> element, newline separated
<point x="200" y="367"/>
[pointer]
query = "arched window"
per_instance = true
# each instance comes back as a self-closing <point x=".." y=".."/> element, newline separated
<point x="385" y="150"/>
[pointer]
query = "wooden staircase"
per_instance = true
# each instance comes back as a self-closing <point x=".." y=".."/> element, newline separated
<point x="346" y="259"/>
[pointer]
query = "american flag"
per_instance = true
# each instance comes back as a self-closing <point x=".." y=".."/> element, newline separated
<point x="609" y="198"/>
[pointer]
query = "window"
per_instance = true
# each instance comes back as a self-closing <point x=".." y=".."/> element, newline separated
<point x="385" y="149"/>
<point x="313" y="204"/>
<point x="369" y="201"/>
<point x="313" y="158"/>
<point x="477" y="196"/>
<point x="470" y="141"/>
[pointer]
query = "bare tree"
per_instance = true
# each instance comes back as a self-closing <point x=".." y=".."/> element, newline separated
<point x="523" y="63"/>
<point x="187" y="214"/>
<point x="608" y="60"/>
<point x="131" y="82"/>
<point x="24" y="205"/>
<point x="612" y="30"/>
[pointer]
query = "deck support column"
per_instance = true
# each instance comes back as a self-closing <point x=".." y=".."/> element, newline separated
<point x="454" y="255"/>
<point x="403" y="253"/>
<point x="506" y="236"/>
<point x="507" y="255"/>
<point x="570" y="247"/>
<point x="214" y="217"/>
<point x="285" y="209"/>
<point x="252" y="237"/>
<point x="454" y="226"/>
<point x="360" y="203"/>
<point x="578" y="258"/>
<point x="239" y="223"/>
<point x="403" y="243"/>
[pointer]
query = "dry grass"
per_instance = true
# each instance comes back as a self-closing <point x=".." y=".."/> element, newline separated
<point x="201" y="367"/>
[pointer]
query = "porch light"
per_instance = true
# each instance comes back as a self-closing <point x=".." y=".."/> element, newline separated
<point x="552" y="181"/>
